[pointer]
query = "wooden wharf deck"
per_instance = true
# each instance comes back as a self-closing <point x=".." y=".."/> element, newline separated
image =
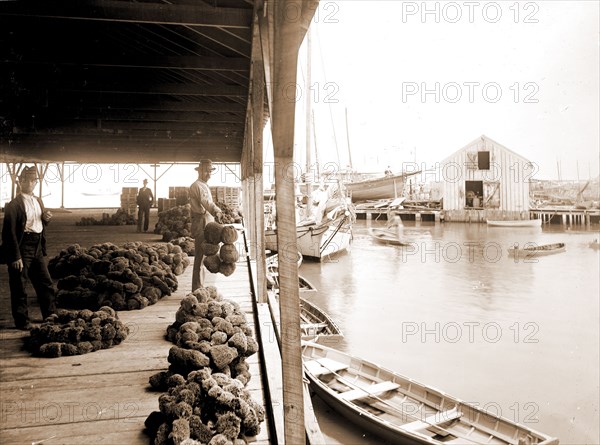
<point x="103" y="397"/>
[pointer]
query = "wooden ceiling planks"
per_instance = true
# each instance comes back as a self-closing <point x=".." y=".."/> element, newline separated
<point x="126" y="77"/>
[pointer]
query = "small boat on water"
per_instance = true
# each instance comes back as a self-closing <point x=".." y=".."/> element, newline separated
<point x="387" y="236"/>
<point x="530" y="250"/>
<point x="304" y="286"/>
<point x="401" y="410"/>
<point x="595" y="244"/>
<point x="273" y="261"/>
<point x="515" y="223"/>
<point x="315" y="324"/>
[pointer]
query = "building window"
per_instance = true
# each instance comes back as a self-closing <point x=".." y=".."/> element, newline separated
<point x="483" y="160"/>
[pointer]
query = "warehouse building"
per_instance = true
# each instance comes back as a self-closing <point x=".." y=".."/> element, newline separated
<point x="485" y="180"/>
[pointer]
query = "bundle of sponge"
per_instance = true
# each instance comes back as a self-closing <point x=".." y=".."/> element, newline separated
<point x="206" y="401"/>
<point x="205" y="408"/>
<point x="77" y="332"/>
<point x="208" y="332"/>
<point x="124" y="278"/>
<point x="219" y="248"/>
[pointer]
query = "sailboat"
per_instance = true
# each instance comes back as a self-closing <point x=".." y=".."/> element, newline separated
<point x="324" y="214"/>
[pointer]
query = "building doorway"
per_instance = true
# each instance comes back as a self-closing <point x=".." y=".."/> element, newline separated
<point x="474" y="194"/>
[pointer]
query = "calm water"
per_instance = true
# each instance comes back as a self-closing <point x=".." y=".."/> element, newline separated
<point x="520" y="338"/>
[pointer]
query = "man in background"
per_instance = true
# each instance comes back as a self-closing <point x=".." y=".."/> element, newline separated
<point x="203" y="210"/>
<point x="144" y="201"/>
<point x="24" y="250"/>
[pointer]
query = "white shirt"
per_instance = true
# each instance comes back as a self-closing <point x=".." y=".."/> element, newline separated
<point x="201" y="199"/>
<point x="34" y="214"/>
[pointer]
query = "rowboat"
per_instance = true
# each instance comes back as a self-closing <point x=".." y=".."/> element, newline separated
<point x="515" y="223"/>
<point x="315" y="323"/>
<point x="402" y="410"/>
<point x="305" y="287"/>
<point x="272" y="264"/>
<point x="273" y="261"/>
<point x="386" y="187"/>
<point x="531" y="250"/>
<point x="386" y="236"/>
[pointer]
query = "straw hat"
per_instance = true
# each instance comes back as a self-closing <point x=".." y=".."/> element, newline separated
<point x="205" y="164"/>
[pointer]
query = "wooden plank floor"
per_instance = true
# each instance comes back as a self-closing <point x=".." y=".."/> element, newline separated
<point x="103" y="397"/>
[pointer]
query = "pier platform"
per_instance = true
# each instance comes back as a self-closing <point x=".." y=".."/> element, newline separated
<point x="102" y="397"/>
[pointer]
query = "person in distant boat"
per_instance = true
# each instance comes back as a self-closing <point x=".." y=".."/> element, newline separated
<point x="396" y="223"/>
<point x="203" y="210"/>
<point x="388" y="171"/>
<point x="24" y="250"/>
<point x="144" y="202"/>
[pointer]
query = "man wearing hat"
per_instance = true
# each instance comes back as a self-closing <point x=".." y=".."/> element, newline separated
<point x="203" y="210"/>
<point x="24" y="246"/>
<point x="144" y="202"/>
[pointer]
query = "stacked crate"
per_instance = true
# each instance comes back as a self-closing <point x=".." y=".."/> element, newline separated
<point x="129" y="200"/>
<point x="180" y="194"/>
<point x="227" y="195"/>
<point x="165" y="204"/>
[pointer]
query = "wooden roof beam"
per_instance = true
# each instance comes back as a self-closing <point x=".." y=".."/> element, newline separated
<point x="199" y="63"/>
<point x="111" y="154"/>
<point x="93" y="127"/>
<point x="175" y="89"/>
<point x="169" y="116"/>
<point x="134" y="12"/>
<point x="143" y="103"/>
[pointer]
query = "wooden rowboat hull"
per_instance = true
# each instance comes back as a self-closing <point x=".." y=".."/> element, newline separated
<point x="535" y="251"/>
<point x="516" y="223"/>
<point x="384" y="236"/>
<point x="317" y="325"/>
<point x="401" y="410"/>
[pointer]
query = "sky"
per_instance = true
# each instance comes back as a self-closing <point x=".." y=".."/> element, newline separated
<point x="420" y="80"/>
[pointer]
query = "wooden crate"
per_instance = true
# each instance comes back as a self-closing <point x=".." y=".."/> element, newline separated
<point x="228" y="195"/>
<point x="129" y="191"/>
<point x="165" y="204"/>
<point x="128" y="200"/>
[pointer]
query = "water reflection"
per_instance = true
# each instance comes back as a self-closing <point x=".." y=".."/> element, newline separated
<point x="457" y="312"/>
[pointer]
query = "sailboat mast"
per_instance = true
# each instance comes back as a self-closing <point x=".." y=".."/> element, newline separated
<point x="348" y="139"/>
<point x="308" y="100"/>
<point x="314" y="134"/>
<point x="308" y="179"/>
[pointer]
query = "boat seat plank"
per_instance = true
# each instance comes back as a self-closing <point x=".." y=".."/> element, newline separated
<point x="433" y="420"/>
<point x="313" y="325"/>
<point x="369" y="391"/>
<point x="461" y="441"/>
<point x="324" y="366"/>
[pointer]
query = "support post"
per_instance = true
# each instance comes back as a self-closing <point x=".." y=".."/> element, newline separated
<point x="61" y="172"/>
<point x="288" y="35"/>
<point x="258" y="109"/>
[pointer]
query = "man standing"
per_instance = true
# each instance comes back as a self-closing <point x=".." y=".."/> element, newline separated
<point x="203" y="209"/>
<point x="24" y="245"/>
<point x="144" y="201"/>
